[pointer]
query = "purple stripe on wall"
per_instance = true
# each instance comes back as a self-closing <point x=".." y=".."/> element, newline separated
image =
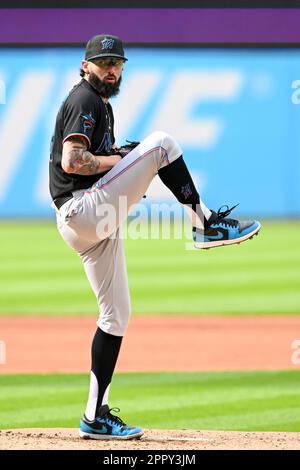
<point x="151" y="25"/>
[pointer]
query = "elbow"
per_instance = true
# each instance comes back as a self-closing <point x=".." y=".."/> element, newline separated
<point x="66" y="166"/>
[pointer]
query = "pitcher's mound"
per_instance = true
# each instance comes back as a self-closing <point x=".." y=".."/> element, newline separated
<point x="152" y="439"/>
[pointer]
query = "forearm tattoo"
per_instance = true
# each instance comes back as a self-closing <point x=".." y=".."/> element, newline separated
<point x="81" y="161"/>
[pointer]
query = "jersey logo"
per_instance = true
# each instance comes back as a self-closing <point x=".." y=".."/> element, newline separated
<point x="106" y="144"/>
<point x="107" y="43"/>
<point x="88" y="122"/>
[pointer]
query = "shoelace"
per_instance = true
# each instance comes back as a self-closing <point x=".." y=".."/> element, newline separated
<point x="114" y="419"/>
<point x="222" y="214"/>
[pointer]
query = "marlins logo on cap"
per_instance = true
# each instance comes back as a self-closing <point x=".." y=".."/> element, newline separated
<point x="104" y="45"/>
<point x="107" y="43"/>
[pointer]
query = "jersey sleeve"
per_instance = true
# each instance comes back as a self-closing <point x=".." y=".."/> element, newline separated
<point x="79" y="119"/>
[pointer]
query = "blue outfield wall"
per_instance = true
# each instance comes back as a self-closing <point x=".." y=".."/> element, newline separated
<point x="235" y="113"/>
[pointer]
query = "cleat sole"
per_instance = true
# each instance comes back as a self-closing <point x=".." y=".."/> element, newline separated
<point x="100" y="437"/>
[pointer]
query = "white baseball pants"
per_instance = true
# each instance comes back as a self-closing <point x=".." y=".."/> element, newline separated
<point x="99" y="245"/>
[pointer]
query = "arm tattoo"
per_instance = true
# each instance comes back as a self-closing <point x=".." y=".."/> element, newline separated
<point x="81" y="161"/>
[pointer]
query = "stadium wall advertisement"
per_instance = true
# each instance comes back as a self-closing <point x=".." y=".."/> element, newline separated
<point x="235" y="112"/>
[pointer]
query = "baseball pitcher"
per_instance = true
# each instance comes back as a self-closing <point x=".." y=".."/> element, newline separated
<point x="88" y="172"/>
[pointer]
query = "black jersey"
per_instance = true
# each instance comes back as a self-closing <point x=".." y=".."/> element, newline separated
<point x="83" y="113"/>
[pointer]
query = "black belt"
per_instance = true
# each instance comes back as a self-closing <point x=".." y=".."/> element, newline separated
<point x="59" y="201"/>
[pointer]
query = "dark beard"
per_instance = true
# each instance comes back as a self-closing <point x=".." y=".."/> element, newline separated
<point x="106" y="90"/>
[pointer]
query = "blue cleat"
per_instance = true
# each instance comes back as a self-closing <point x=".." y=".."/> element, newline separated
<point x="220" y="230"/>
<point x="107" y="426"/>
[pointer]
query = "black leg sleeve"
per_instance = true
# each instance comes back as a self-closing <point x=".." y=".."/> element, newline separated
<point x="105" y="351"/>
<point x="177" y="178"/>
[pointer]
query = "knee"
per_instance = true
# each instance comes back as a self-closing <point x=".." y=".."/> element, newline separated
<point x="169" y="149"/>
<point x="114" y="322"/>
<point x="163" y="139"/>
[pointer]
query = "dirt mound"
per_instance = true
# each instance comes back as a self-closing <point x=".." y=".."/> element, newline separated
<point x="153" y="439"/>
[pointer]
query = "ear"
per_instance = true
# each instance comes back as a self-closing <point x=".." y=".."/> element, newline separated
<point x="85" y="66"/>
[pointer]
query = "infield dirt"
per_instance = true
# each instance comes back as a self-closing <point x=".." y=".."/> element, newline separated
<point x="153" y="439"/>
<point x="152" y="343"/>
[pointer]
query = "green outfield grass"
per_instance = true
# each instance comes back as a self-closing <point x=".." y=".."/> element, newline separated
<point x="248" y="401"/>
<point x="39" y="274"/>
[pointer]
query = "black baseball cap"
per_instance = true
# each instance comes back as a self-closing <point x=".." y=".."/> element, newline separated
<point x="104" y="45"/>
